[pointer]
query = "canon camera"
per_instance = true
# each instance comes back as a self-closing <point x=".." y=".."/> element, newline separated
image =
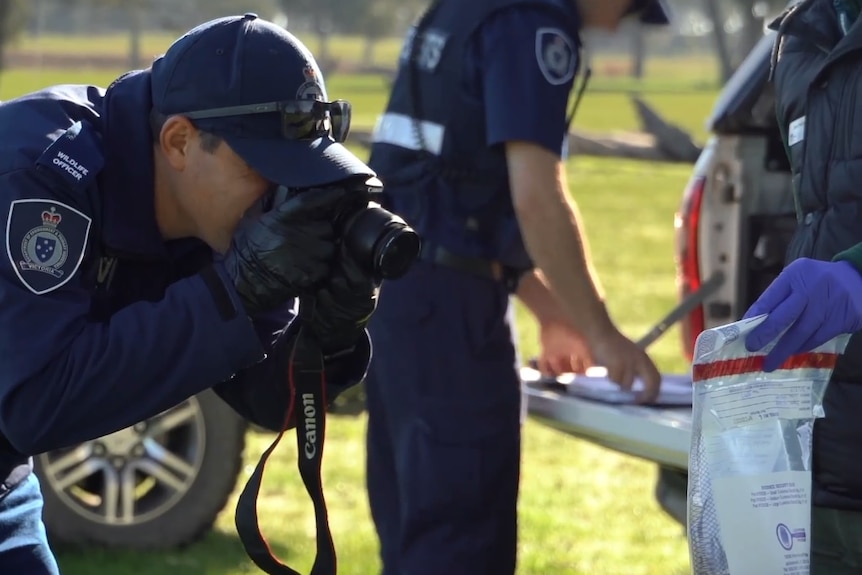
<point x="378" y="240"/>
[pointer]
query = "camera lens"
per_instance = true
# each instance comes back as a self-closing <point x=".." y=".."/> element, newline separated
<point x="382" y="242"/>
<point x="397" y="251"/>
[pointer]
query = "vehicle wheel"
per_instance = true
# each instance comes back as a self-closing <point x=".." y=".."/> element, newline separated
<point x="159" y="484"/>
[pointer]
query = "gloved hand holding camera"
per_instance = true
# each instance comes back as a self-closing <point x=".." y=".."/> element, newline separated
<point x="374" y="244"/>
<point x="328" y="246"/>
<point x="285" y="253"/>
<point x="339" y="311"/>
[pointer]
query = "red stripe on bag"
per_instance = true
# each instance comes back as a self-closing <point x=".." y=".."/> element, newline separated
<point x="754" y="364"/>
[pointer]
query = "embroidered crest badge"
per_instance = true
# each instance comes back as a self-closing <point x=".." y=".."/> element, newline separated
<point x="312" y="88"/>
<point x="556" y="55"/>
<point x="45" y="242"/>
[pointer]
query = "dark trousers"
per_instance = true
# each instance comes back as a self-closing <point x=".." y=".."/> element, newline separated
<point x="23" y="543"/>
<point x="836" y="542"/>
<point x="444" y="426"/>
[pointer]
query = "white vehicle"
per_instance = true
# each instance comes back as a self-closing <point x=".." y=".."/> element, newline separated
<point x="733" y="228"/>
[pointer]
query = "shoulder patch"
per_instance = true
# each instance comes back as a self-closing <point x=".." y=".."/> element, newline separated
<point x="45" y="242"/>
<point x="429" y="51"/>
<point x="76" y="156"/>
<point x="556" y="55"/>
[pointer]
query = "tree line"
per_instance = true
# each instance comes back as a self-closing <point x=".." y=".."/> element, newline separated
<point x="371" y="19"/>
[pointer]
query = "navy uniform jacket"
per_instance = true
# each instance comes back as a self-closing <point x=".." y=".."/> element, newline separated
<point x="102" y="322"/>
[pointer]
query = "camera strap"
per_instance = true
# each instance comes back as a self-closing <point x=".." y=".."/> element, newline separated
<point x="307" y="384"/>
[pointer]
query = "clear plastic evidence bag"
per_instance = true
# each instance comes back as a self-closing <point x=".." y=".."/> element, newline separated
<point x="749" y="482"/>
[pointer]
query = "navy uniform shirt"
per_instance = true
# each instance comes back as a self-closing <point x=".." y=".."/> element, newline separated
<point x="102" y="322"/>
<point x="523" y="66"/>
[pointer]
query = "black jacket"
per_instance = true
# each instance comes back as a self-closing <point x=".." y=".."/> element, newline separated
<point x="817" y="72"/>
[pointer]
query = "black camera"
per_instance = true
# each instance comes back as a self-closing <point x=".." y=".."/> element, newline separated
<point x="380" y="241"/>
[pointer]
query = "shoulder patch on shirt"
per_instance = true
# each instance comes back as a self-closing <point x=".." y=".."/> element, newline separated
<point x="45" y="242"/>
<point x="556" y="55"/>
<point x="76" y="156"/>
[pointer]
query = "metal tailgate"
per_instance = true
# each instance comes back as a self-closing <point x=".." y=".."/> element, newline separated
<point x="654" y="433"/>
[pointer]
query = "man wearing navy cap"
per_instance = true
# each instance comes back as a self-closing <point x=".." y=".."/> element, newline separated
<point x="471" y="150"/>
<point x="144" y="262"/>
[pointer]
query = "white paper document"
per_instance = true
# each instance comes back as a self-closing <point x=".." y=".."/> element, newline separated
<point x="765" y="521"/>
<point x="675" y="389"/>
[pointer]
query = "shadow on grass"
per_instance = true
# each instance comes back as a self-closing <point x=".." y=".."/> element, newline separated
<point x="218" y="553"/>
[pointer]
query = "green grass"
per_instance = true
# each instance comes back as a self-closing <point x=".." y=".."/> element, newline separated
<point x="599" y="111"/>
<point x="584" y="510"/>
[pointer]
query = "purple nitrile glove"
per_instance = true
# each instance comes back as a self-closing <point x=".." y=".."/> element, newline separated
<point x="815" y="300"/>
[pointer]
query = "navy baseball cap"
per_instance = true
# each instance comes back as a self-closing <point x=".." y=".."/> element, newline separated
<point x="260" y="89"/>
<point x="654" y="12"/>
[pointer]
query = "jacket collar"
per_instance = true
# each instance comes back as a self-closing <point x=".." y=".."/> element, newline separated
<point x="811" y="20"/>
<point x="128" y="181"/>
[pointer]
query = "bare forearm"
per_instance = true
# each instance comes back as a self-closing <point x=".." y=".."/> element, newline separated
<point x="553" y="236"/>
<point x="535" y="293"/>
<point x="553" y="239"/>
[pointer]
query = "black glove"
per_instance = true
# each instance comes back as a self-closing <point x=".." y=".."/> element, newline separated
<point x="337" y="314"/>
<point x="286" y="252"/>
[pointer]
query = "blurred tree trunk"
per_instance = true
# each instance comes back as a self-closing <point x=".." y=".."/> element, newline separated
<point x="135" y="14"/>
<point x="752" y="29"/>
<point x="368" y="50"/>
<point x="638" y="38"/>
<point x="324" y="32"/>
<point x="13" y="22"/>
<point x="722" y="51"/>
<point x="5" y="16"/>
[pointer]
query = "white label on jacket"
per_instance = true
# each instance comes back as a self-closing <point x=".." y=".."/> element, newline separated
<point x="797" y="131"/>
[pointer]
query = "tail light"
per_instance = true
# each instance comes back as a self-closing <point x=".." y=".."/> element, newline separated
<point x="688" y="280"/>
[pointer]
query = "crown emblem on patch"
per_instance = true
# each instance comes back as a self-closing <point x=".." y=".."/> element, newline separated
<point x="51" y="218"/>
<point x="309" y="73"/>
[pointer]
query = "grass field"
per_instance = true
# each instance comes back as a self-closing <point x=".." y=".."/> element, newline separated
<point x="584" y="510"/>
<point x="600" y="111"/>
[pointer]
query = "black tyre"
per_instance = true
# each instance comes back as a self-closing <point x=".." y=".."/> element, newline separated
<point x="157" y="485"/>
<point x="671" y="492"/>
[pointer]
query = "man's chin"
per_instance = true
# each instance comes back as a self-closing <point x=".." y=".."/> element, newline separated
<point x="218" y="245"/>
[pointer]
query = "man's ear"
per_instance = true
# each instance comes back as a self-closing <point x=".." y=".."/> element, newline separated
<point x="175" y="140"/>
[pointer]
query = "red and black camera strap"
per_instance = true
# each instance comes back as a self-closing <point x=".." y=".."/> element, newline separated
<point x="307" y="384"/>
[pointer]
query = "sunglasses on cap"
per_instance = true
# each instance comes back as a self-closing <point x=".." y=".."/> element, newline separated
<point x="300" y="119"/>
